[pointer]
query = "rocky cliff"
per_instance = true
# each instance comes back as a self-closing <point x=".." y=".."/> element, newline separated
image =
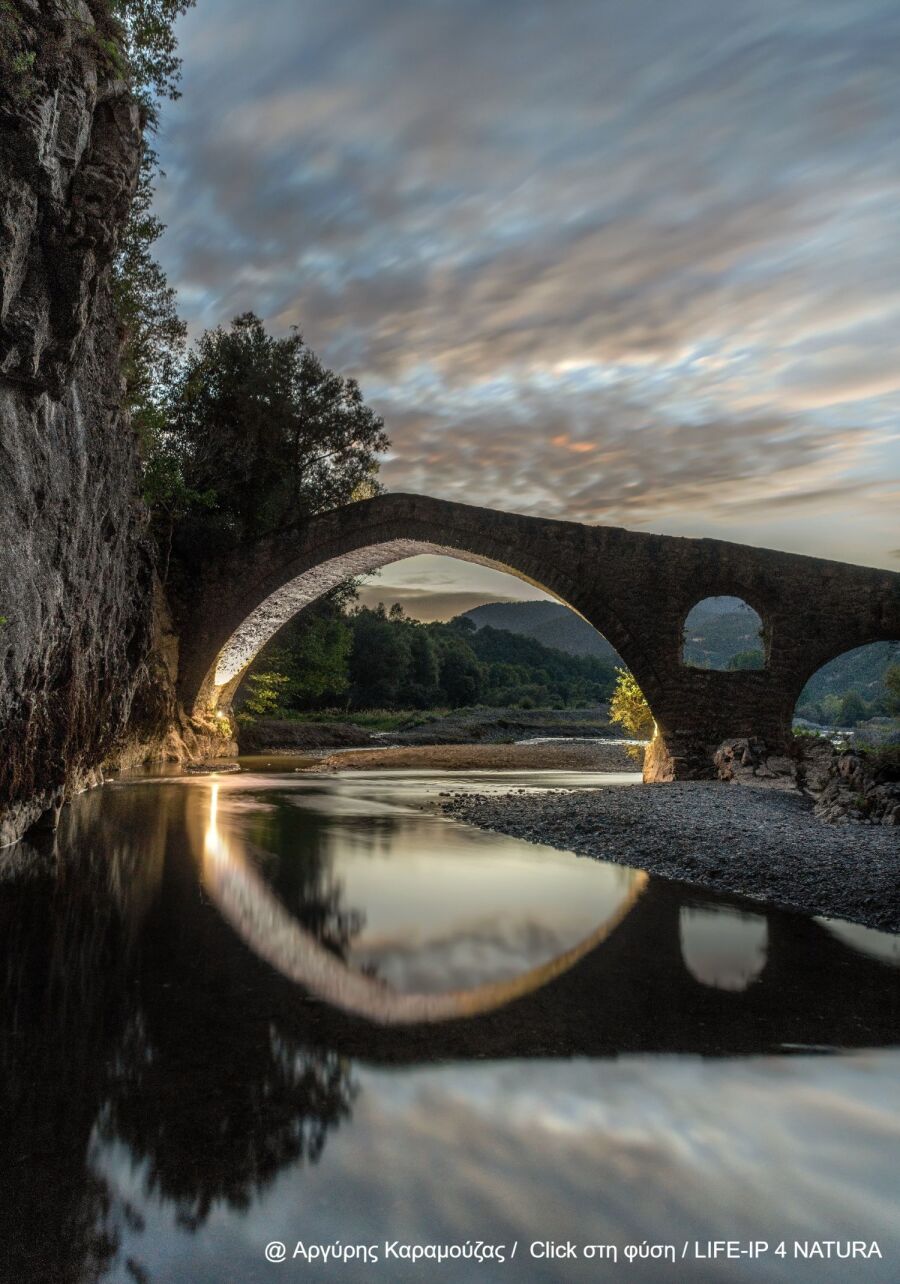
<point x="76" y="575"/>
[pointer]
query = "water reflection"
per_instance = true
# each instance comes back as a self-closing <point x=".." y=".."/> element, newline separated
<point x="260" y="919"/>
<point x="170" y="1099"/>
<point x="723" y="947"/>
<point x="877" y="945"/>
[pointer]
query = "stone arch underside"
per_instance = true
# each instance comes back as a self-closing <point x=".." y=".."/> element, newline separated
<point x="280" y="606"/>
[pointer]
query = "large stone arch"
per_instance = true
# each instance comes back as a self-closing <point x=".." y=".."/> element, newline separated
<point x="266" y="586"/>
<point x="232" y="662"/>
<point x="634" y="588"/>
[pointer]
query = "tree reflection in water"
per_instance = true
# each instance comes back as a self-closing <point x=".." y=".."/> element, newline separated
<point x="305" y="883"/>
<point x="120" y="989"/>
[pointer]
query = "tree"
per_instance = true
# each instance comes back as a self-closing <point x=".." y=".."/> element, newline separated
<point x="752" y="659"/>
<point x="462" y="677"/>
<point x="379" y="660"/>
<point x="853" y="709"/>
<point x="154" y="334"/>
<point x="146" y="36"/>
<point x="262" y="424"/>
<point x="892" y="683"/>
<point x="397" y="662"/>
<point x="319" y="660"/>
<point x="629" y="708"/>
<point x="422" y="686"/>
<point x="141" y="45"/>
<point x="266" y="693"/>
<point x="830" y="709"/>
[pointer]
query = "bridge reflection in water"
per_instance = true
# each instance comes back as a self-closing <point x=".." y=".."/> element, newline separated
<point x="260" y="919"/>
<point x="145" y="1028"/>
<point x="650" y="977"/>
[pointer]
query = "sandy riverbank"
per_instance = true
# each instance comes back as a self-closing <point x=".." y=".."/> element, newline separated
<point x="759" y="843"/>
<point x="562" y="755"/>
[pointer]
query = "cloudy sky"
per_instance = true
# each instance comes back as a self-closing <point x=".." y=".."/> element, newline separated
<point x="622" y="262"/>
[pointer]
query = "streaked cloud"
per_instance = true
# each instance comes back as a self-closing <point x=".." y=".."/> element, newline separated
<point x="618" y="263"/>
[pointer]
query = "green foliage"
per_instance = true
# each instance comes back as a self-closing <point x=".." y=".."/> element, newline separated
<point x="153" y="332"/>
<point x="892" y="686"/>
<point x="719" y="630"/>
<point x="141" y="46"/>
<point x="743" y="660"/>
<point x="884" y="760"/>
<point x="18" y="57"/>
<point x="830" y="709"/>
<point x="864" y="670"/>
<point x="23" y="62"/>
<point x="265" y="695"/>
<point x="374" y="659"/>
<point x="311" y="662"/>
<point x="629" y="708"/>
<point x="263" y="424"/>
<point x="523" y="671"/>
<point x="379" y="660"/>
<point x="145" y="31"/>
<point x="320" y="660"/>
<point x="248" y="432"/>
<point x="853" y="709"/>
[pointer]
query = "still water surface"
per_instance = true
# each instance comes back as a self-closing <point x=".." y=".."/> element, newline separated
<point x="283" y="1006"/>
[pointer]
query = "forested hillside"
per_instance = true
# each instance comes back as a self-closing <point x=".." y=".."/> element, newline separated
<point x="853" y="687"/>
<point x="720" y="633"/>
<point x="723" y="633"/>
<point x="716" y="634"/>
<point x="374" y="659"/>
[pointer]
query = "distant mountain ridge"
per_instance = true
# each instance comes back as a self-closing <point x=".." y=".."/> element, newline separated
<point x="549" y="623"/>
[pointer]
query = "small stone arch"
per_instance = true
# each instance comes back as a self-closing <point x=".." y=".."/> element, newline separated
<point x="741" y="640"/>
<point x="856" y="671"/>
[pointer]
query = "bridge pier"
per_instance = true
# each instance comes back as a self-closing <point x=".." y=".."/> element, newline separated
<point x="688" y="757"/>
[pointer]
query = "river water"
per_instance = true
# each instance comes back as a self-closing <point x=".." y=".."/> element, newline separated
<point x="277" y="1006"/>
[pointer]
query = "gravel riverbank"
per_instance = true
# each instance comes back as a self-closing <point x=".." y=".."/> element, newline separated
<point x="458" y="727"/>
<point x="760" y="843"/>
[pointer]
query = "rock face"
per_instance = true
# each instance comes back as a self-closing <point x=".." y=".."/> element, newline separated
<point x="749" y="761"/>
<point x="76" y="575"/>
<point x="847" y="787"/>
<point x="858" y="791"/>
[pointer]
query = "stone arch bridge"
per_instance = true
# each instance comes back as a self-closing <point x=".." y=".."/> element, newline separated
<point x="634" y="588"/>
